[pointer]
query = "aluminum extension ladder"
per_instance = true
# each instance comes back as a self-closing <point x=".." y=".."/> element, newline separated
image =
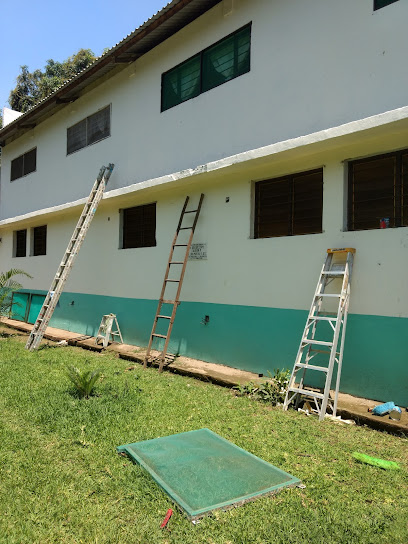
<point x="323" y="323"/>
<point x="57" y="285"/>
<point x="181" y="264"/>
<point x="105" y="330"/>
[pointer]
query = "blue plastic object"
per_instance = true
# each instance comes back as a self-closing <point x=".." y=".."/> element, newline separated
<point x="382" y="409"/>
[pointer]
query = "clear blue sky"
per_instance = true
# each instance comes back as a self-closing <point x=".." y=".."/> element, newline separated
<point x="33" y="32"/>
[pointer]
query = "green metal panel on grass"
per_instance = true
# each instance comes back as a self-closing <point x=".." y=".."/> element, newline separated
<point x="201" y="471"/>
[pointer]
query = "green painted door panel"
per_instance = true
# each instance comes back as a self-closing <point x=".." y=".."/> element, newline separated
<point x="35" y="307"/>
<point x="20" y="302"/>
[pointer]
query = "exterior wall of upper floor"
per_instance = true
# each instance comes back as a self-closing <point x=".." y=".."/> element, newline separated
<point x="314" y="65"/>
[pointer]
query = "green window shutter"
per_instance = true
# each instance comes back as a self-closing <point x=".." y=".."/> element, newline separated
<point x="378" y="4"/>
<point x="181" y="83"/>
<point x="227" y="59"/>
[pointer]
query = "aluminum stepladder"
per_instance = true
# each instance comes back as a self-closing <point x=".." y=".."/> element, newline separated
<point x="74" y="245"/>
<point x="173" y="301"/>
<point x="105" y="330"/>
<point x="337" y="269"/>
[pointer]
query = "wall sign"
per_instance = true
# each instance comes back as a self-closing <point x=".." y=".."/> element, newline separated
<point x="198" y="252"/>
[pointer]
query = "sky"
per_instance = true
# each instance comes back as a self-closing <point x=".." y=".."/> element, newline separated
<point x="33" y="32"/>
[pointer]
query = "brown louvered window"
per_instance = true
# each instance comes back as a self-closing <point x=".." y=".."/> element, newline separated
<point x="378" y="192"/>
<point x="40" y="240"/>
<point x="289" y="206"/>
<point x="20" y="243"/>
<point x="24" y="164"/>
<point x="139" y="226"/>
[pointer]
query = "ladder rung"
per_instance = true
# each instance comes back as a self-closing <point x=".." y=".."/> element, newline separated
<point x="317" y="342"/>
<point x="191" y="211"/>
<point x="180" y="245"/>
<point x="334" y="273"/>
<point x="169" y="301"/>
<point x="174" y="281"/>
<point x="322" y="318"/>
<point x="329" y="295"/>
<point x="159" y="335"/>
<point x="163" y="316"/>
<point x="312" y="367"/>
<point x="305" y="392"/>
<point x="176" y="262"/>
<point x="185" y="228"/>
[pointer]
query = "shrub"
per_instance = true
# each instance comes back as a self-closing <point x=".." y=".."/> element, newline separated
<point x="84" y="382"/>
<point x="272" y="391"/>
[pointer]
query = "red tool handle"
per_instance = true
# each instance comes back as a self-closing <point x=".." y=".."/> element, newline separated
<point x="166" y="519"/>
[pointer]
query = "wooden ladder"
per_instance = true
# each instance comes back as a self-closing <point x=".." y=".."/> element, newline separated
<point x="177" y="278"/>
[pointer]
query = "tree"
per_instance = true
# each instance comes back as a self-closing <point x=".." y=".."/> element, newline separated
<point x="8" y="285"/>
<point x="35" y="86"/>
<point x="26" y="93"/>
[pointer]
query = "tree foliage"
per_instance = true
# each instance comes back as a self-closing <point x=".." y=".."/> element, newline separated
<point x="35" y="86"/>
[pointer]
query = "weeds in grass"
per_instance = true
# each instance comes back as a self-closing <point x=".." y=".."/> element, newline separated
<point x="84" y="382"/>
<point x="272" y="391"/>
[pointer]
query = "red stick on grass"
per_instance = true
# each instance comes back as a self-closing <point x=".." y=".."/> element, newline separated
<point x="166" y="519"/>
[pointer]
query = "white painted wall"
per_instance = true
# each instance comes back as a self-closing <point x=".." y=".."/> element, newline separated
<point x="274" y="272"/>
<point x="315" y="65"/>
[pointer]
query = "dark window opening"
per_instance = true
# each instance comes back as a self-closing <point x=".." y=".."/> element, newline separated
<point x="223" y="61"/>
<point x="378" y="4"/>
<point x="378" y="192"/>
<point x="139" y="226"/>
<point x="289" y="206"/>
<point x="40" y="240"/>
<point x="20" y="243"/>
<point x="94" y="128"/>
<point x="23" y="165"/>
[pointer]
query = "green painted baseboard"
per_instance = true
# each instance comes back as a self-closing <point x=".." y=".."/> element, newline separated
<point x="253" y="338"/>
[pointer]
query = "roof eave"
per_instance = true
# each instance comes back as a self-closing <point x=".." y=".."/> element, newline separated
<point x="172" y="18"/>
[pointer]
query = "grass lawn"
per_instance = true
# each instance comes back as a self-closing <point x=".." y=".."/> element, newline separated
<point x="61" y="480"/>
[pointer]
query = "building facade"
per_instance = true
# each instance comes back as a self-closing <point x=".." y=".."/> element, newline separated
<point x="291" y="118"/>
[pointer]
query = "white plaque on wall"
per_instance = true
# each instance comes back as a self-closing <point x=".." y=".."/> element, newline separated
<point x="198" y="252"/>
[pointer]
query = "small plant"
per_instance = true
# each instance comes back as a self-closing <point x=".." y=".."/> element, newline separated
<point x="272" y="391"/>
<point x="8" y="286"/>
<point x="84" y="382"/>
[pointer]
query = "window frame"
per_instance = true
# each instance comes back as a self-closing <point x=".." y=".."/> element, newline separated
<point x="200" y="55"/>
<point x="124" y="244"/>
<point x="398" y="197"/>
<point x="290" y="180"/>
<point x="86" y="120"/>
<point x="379" y="4"/>
<point x="22" y="156"/>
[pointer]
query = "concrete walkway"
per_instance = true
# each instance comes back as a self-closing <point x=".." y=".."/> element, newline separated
<point x="349" y="407"/>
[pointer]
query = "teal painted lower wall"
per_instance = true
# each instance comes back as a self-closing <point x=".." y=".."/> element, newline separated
<point x="257" y="339"/>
